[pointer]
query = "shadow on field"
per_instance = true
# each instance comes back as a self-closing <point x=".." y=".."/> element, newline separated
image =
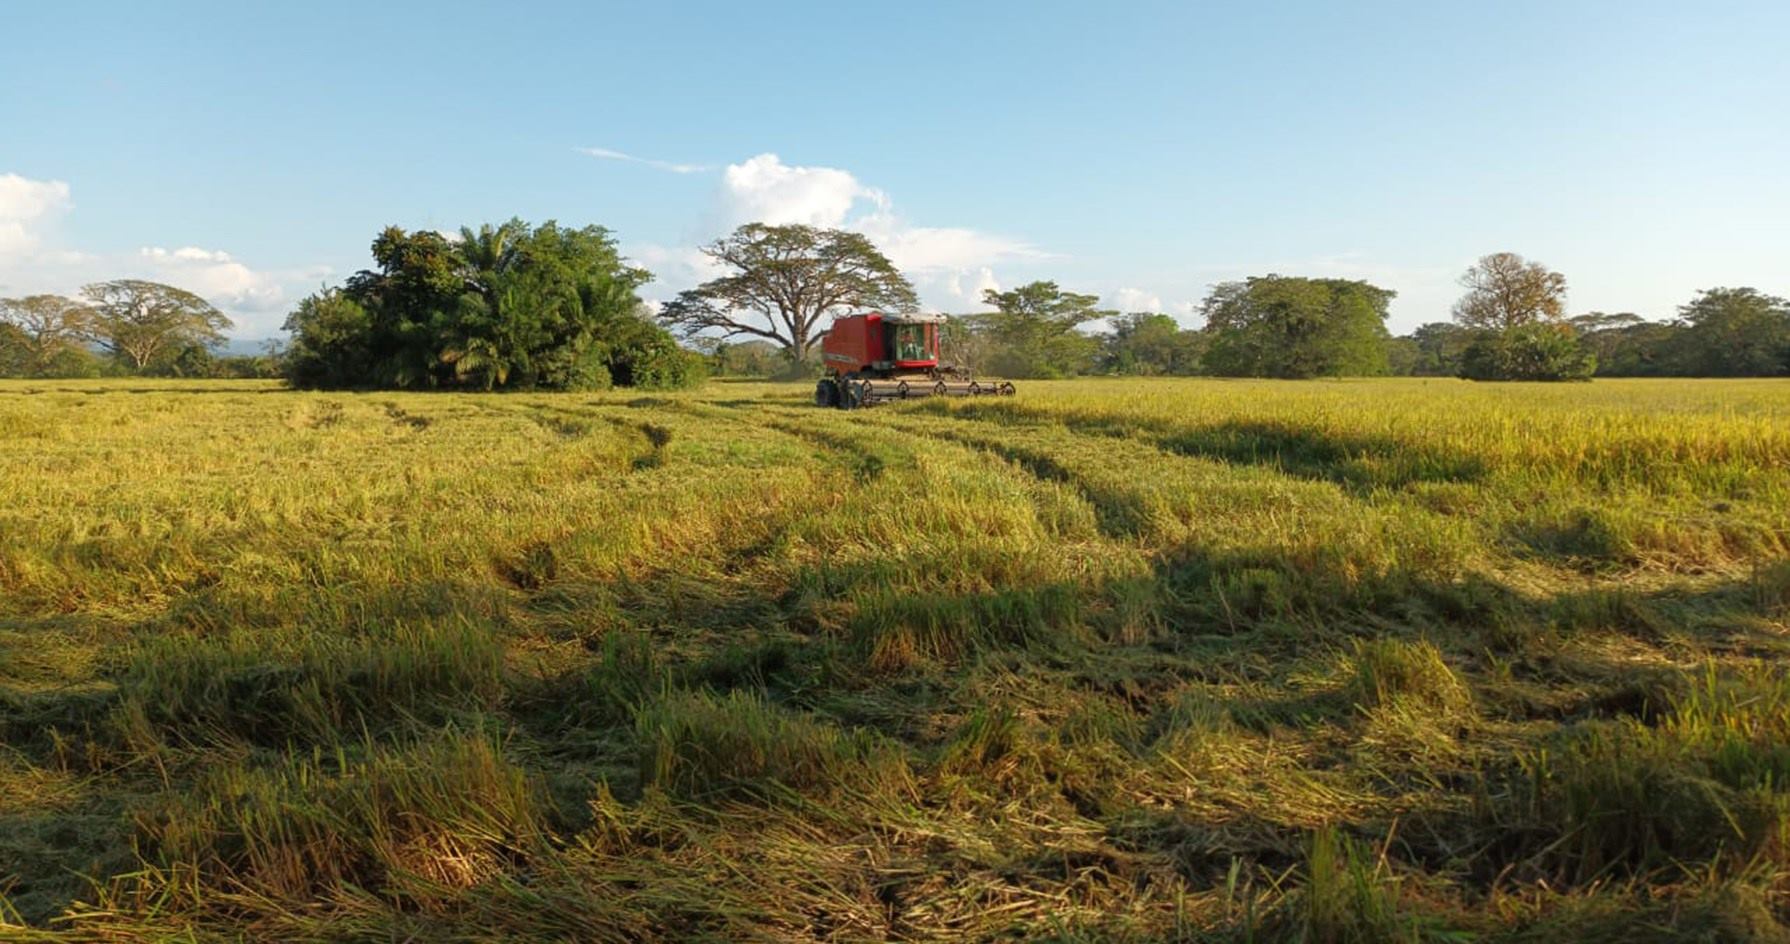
<point x="902" y="647"/>
<point x="1355" y="461"/>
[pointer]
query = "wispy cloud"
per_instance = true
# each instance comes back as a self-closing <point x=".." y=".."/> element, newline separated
<point x="612" y="155"/>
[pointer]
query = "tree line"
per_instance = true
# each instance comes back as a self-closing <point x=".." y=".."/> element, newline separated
<point x="508" y="305"/>
<point x="1510" y="323"/>
<point x="515" y="305"/>
<point x="120" y="327"/>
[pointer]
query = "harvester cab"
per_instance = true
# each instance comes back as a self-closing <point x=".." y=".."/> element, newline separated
<point x="872" y="357"/>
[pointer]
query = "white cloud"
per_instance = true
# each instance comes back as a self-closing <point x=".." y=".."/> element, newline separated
<point x="763" y="189"/>
<point x="950" y="266"/>
<point x="216" y="277"/>
<point x="965" y="289"/>
<point x="24" y="205"/>
<point x="1134" y="299"/>
<point x="612" y="155"/>
<point x="674" y="268"/>
<point x="256" y="299"/>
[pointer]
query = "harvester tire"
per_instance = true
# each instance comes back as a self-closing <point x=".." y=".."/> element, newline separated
<point x="849" y="396"/>
<point x="826" y="393"/>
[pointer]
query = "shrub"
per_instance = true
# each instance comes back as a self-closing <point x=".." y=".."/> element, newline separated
<point x="1528" y="352"/>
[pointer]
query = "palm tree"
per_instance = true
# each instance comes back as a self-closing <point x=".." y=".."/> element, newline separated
<point x="487" y="252"/>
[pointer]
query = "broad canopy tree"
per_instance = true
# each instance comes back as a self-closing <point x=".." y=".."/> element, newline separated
<point x="48" y="326"/>
<point x="1515" y="312"/>
<point x="139" y="321"/>
<point x="1737" y="332"/>
<point x="1285" y="326"/>
<point x="1034" y="330"/>
<point x="782" y="281"/>
<point x="1504" y="290"/>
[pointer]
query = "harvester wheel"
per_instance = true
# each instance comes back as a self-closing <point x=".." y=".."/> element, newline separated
<point x="1006" y="389"/>
<point x="826" y="393"/>
<point x="849" y="396"/>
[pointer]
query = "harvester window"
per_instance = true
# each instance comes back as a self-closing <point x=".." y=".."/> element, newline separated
<point x="910" y="342"/>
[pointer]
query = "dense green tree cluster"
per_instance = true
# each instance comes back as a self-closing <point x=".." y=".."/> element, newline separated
<point x="1281" y="326"/>
<point x="520" y="306"/>
<point x="501" y="306"/>
<point x="1723" y="332"/>
<point x="1151" y="344"/>
<point x="1033" y="331"/>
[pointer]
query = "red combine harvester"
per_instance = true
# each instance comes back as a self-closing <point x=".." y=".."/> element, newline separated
<point x="874" y="357"/>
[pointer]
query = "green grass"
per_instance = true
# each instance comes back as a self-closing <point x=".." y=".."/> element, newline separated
<point x="1147" y="660"/>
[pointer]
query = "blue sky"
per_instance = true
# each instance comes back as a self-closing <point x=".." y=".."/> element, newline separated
<point x="1141" y="151"/>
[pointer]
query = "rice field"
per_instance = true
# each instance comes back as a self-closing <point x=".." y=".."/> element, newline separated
<point x="1394" y="660"/>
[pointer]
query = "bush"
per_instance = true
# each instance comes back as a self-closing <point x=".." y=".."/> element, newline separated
<point x="1528" y="352"/>
<point x="511" y="306"/>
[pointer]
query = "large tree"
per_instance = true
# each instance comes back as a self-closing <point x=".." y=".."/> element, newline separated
<point x="1033" y="330"/>
<point x="138" y="321"/>
<point x="1737" y="332"/>
<point x="1515" y="310"/>
<point x="782" y="280"/>
<point x="510" y="305"/>
<point x="15" y="351"/>
<point x="1283" y="326"/>
<point x="1504" y="290"/>
<point x="50" y="326"/>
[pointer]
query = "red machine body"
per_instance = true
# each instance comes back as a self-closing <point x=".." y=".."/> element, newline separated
<point x="873" y="356"/>
<point x="875" y="342"/>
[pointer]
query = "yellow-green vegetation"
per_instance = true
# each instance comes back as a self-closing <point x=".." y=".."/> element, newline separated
<point x="1333" y="661"/>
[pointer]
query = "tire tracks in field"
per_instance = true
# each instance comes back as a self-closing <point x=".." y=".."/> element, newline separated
<point x="1290" y="449"/>
<point x="862" y="459"/>
<point x="1117" y="515"/>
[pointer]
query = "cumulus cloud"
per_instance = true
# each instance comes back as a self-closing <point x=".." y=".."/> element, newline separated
<point x="950" y="266"/>
<point x="25" y="204"/>
<point x="31" y="262"/>
<point x="963" y="289"/>
<point x="216" y="277"/>
<point x="763" y="189"/>
<point x="607" y="154"/>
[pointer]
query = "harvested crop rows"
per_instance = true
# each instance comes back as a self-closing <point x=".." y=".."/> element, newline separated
<point x="1143" y="660"/>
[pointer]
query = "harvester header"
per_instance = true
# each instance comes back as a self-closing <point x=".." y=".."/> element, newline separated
<point x="872" y="357"/>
